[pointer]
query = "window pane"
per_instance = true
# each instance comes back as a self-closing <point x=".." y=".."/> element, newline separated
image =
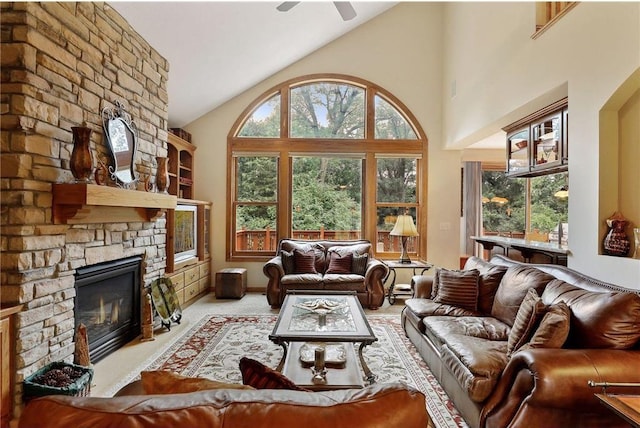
<point x="390" y="124"/>
<point x="386" y="220"/>
<point x="256" y="227"/>
<point x="327" y="110"/>
<point x="265" y="120"/>
<point x="257" y="178"/>
<point x="547" y="210"/>
<point x="503" y="204"/>
<point x="327" y="195"/>
<point x="396" y="180"/>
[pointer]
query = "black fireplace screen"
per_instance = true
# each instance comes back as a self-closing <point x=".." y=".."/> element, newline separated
<point x="108" y="303"/>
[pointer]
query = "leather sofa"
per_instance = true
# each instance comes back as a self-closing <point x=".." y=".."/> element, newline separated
<point x="364" y="274"/>
<point x="376" y="406"/>
<point x="536" y="385"/>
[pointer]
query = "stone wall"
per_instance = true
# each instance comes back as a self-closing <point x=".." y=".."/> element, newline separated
<point x="62" y="63"/>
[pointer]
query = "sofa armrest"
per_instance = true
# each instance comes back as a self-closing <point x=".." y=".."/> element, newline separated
<point x="374" y="278"/>
<point x="421" y="286"/>
<point x="273" y="270"/>
<point x="558" y="379"/>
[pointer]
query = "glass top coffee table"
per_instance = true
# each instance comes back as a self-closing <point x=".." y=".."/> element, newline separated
<point x="322" y="317"/>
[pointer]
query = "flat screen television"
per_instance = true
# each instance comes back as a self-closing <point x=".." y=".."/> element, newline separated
<point x="185" y="244"/>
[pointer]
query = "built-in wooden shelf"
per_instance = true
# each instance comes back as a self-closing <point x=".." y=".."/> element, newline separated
<point x="90" y="203"/>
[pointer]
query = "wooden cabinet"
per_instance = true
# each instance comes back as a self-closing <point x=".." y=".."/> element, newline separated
<point x="539" y="144"/>
<point x="192" y="282"/>
<point x="180" y="154"/>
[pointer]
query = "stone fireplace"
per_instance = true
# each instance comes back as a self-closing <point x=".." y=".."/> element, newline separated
<point x="62" y="63"/>
<point x="108" y="303"/>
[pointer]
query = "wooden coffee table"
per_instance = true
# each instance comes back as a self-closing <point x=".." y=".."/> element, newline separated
<point x="329" y="318"/>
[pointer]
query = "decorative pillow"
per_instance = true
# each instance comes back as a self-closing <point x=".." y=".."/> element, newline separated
<point x="530" y="312"/>
<point x="553" y="330"/>
<point x="305" y="262"/>
<point x="339" y="263"/>
<point x="166" y="382"/>
<point x="359" y="263"/>
<point x="598" y="319"/>
<point x="259" y="376"/>
<point x="288" y="262"/>
<point x="458" y="288"/>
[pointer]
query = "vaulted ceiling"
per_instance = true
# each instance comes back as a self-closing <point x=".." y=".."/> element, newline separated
<point x="217" y="50"/>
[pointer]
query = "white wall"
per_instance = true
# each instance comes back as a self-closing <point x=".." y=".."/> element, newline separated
<point x="500" y="73"/>
<point x="401" y="51"/>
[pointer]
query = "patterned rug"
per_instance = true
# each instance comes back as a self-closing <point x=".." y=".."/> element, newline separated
<point x="212" y="348"/>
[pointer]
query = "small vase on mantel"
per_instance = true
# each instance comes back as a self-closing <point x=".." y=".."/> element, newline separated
<point x="162" y="176"/>
<point x="81" y="163"/>
<point x="616" y="243"/>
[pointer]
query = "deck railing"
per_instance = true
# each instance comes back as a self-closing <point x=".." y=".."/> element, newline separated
<point x="266" y="240"/>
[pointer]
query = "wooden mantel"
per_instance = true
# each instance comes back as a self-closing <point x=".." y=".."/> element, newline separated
<point x="90" y="203"/>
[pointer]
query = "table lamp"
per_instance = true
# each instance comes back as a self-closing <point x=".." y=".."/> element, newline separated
<point x="404" y="228"/>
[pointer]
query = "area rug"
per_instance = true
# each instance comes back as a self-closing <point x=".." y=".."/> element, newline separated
<point x="212" y="348"/>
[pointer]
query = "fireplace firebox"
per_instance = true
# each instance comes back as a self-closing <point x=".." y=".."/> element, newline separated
<point x="107" y="302"/>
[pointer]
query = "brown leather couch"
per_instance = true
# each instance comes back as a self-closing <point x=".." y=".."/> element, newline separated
<point x="376" y="406"/>
<point x="368" y="284"/>
<point x="532" y="387"/>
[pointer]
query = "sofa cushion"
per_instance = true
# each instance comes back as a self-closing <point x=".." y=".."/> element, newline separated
<point x="339" y="263"/>
<point x="167" y="382"/>
<point x="427" y="307"/>
<point x="598" y="320"/>
<point x="304" y="262"/>
<point x="288" y="262"/>
<point x="303" y="281"/>
<point x="529" y="314"/>
<point x="359" y="263"/>
<point x="476" y="363"/>
<point x="318" y="250"/>
<point x="553" y="329"/>
<point x="360" y="248"/>
<point x="259" y="376"/>
<point x="512" y="289"/>
<point x="457" y="288"/>
<point x="490" y="277"/>
<point x="442" y="327"/>
<point x="343" y="282"/>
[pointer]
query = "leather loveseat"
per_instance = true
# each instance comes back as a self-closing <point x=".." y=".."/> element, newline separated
<point x="524" y="354"/>
<point x="325" y="265"/>
<point x="376" y="406"/>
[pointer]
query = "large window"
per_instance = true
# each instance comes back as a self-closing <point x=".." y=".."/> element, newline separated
<point x="324" y="157"/>
<point x="529" y="208"/>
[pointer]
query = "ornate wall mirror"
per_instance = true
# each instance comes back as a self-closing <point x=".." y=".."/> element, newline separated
<point x="122" y="136"/>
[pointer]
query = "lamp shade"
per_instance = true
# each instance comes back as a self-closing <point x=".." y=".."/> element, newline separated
<point x="404" y="226"/>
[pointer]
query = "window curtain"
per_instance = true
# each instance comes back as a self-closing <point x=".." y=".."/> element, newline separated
<point x="472" y="200"/>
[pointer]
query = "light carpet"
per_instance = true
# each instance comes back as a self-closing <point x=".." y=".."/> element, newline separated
<point x="212" y="348"/>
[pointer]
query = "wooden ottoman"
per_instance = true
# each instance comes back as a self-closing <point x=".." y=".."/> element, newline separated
<point x="231" y="283"/>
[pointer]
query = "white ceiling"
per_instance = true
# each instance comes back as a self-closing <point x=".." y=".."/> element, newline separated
<point x="216" y="50"/>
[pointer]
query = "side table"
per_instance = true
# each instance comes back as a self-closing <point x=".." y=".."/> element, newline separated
<point x="403" y="289"/>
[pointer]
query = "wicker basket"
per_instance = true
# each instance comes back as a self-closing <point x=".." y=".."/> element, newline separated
<point x="81" y="387"/>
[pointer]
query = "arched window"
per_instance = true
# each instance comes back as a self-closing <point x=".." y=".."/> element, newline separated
<point x="324" y="157"/>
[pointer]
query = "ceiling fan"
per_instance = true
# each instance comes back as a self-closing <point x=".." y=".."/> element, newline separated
<point x="346" y="10"/>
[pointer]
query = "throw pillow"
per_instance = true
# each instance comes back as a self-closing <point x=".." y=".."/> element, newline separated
<point x="259" y="376"/>
<point x="530" y="311"/>
<point x="458" y="288"/>
<point x="166" y="382"/>
<point x="339" y="264"/>
<point x="359" y="263"/>
<point x="305" y="262"/>
<point x="288" y="262"/>
<point x="553" y="330"/>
